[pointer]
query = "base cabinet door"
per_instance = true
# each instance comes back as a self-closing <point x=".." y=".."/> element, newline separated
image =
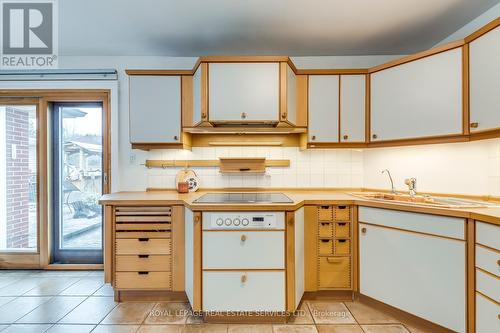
<point x="487" y="315"/>
<point x="420" y="274"/>
<point x="243" y="291"/>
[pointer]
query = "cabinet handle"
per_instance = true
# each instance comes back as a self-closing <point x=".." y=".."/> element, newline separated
<point x="363" y="230"/>
<point x="243" y="115"/>
<point x="374" y="136"/>
<point x="197" y="218"/>
<point x="243" y="278"/>
<point x="142" y="256"/>
<point x="332" y="260"/>
<point x="243" y="238"/>
<point x="313" y="137"/>
<point x="203" y="116"/>
<point x="143" y="273"/>
<point x="346" y="137"/>
<point x="474" y="125"/>
<point x="176" y="137"/>
<point x="498" y="262"/>
<point x="143" y="239"/>
<point x="283" y="116"/>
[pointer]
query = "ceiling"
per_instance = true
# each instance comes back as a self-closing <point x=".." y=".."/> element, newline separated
<point x="284" y="27"/>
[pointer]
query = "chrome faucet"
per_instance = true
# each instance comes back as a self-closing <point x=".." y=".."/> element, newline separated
<point x="412" y="186"/>
<point x="393" y="189"/>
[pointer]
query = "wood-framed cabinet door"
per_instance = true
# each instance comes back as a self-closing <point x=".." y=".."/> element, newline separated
<point x="352" y="108"/>
<point x="155" y="109"/>
<point x="244" y="92"/>
<point x="418" y="99"/>
<point x="484" y="72"/>
<point x="323" y="108"/>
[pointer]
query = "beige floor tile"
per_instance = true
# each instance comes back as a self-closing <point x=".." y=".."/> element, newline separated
<point x="51" y="286"/>
<point x="21" y="286"/>
<point x="260" y="328"/>
<point x="6" y="299"/>
<point x="168" y="313"/>
<point x="205" y="328"/>
<point x="325" y="312"/>
<point x="128" y="313"/>
<point x="339" y="329"/>
<point x="84" y="287"/>
<point x="301" y="316"/>
<point x="90" y="311"/>
<point x="384" y="329"/>
<point x="19" y="307"/>
<point x="106" y="290"/>
<point x="416" y="328"/>
<point x="116" y="329"/>
<point x="194" y="319"/>
<point x="161" y="329"/>
<point x="294" y="329"/>
<point x="51" y="311"/>
<point x="70" y="328"/>
<point x="27" y="328"/>
<point x="366" y="314"/>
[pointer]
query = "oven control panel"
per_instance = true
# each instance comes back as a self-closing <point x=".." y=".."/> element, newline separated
<point x="245" y="220"/>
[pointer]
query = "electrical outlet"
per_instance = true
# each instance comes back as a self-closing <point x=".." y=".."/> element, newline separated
<point x="132" y="158"/>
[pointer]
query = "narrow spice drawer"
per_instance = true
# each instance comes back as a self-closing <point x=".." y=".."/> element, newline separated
<point x="143" y="280"/>
<point x="342" y="246"/>
<point x="342" y="229"/>
<point x="144" y="262"/>
<point x="325" y="213"/>
<point x="334" y="272"/>
<point x="142" y="234"/>
<point x="488" y="260"/>
<point x="325" y="246"/>
<point x="342" y="213"/>
<point x="325" y="229"/>
<point x="143" y="246"/>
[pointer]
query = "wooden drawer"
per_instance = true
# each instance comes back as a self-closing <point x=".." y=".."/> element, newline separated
<point x="342" y="229"/>
<point x="142" y="234"/>
<point x="487" y="312"/>
<point x="135" y="226"/>
<point x="325" y="213"/>
<point x="342" y="246"/>
<point x="144" y="262"/>
<point x="488" y="285"/>
<point x="334" y="272"/>
<point x="325" y="229"/>
<point x="342" y="213"/>
<point x="325" y="246"/>
<point x="143" y="246"/>
<point x="488" y="235"/>
<point x="488" y="259"/>
<point x="143" y="280"/>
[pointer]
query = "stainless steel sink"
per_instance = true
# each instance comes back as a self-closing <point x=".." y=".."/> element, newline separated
<point x="425" y="200"/>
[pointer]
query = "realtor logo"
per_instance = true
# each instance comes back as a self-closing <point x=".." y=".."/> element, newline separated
<point x="29" y="34"/>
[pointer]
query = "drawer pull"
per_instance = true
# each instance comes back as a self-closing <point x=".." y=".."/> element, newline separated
<point x="363" y="230"/>
<point x="325" y="240"/>
<point x="342" y="207"/>
<point x="143" y="239"/>
<point x="243" y="238"/>
<point x="341" y="240"/>
<point x="474" y="125"/>
<point x="498" y="262"/>
<point x="342" y="224"/>
<point x="143" y="256"/>
<point x="333" y="260"/>
<point x="143" y="273"/>
<point x="243" y="278"/>
<point x="346" y="137"/>
<point x="325" y="207"/>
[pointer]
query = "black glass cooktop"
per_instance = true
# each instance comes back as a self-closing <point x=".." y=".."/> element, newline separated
<point x="234" y="197"/>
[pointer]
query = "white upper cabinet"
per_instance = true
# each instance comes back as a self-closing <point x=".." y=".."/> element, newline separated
<point x="352" y="108"/>
<point x="197" y="96"/>
<point x="243" y="92"/>
<point x="155" y="109"/>
<point x="291" y="96"/>
<point x="323" y="108"/>
<point x="421" y="98"/>
<point x="484" y="67"/>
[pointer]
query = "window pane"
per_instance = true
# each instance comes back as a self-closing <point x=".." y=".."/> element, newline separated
<point x="18" y="178"/>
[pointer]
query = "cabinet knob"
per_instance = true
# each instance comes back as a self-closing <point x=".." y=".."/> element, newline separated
<point x="346" y="137"/>
<point x="176" y="137"/>
<point x="197" y="218"/>
<point x="474" y="125"/>
<point x="498" y="262"/>
<point x="204" y="116"/>
<point x="243" y="115"/>
<point x="363" y="230"/>
<point x="283" y="116"/>
<point x="313" y="137"/>
<point x="243" y="278"/>
<point x="243" y="238"/>
<point x="374" y="136"/>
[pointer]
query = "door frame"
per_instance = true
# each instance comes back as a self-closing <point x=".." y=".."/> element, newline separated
<point x="43" y="98"/>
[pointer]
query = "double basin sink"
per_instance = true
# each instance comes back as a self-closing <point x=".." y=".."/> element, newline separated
<point x="425" y="200"/>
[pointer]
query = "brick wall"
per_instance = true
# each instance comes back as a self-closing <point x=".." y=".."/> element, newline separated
<point x="18" y="175"/>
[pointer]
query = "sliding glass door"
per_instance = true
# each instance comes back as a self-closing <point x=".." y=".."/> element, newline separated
<point x="18" y="178"/>
<point x="77" y="159"/>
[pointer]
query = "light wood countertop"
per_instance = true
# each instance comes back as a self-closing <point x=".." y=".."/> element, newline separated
<point x="299" y="198"/>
